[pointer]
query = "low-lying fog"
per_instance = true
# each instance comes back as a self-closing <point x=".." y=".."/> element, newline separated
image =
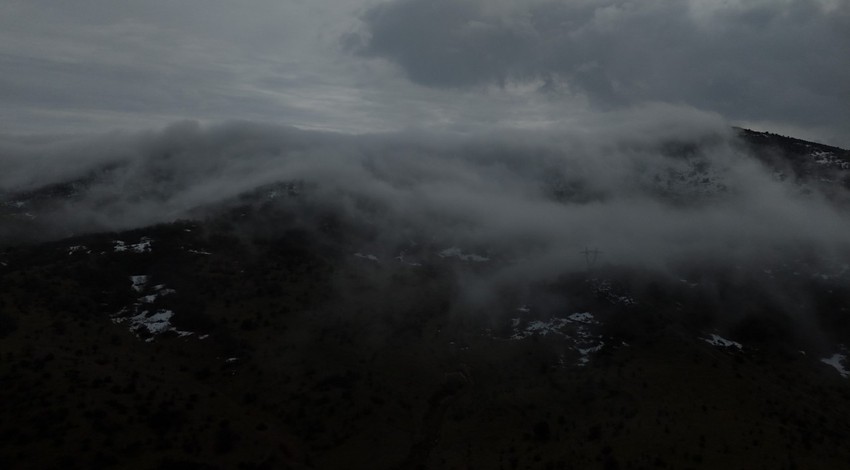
<point x="650" y="187"/>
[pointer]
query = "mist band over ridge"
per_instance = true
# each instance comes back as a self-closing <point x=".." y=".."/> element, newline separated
<point x="651" y="187"/>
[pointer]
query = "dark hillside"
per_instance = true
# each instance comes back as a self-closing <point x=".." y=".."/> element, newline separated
<point x="279" y="332"/>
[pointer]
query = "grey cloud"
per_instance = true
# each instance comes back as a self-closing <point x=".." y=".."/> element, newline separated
<point x="534" y="197"/>
<point x="446" y="43"/>
<point x="99" y="65"/>
<point x="780" y="61"/>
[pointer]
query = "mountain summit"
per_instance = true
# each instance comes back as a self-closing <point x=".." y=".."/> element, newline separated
<point x="254" y="297"/>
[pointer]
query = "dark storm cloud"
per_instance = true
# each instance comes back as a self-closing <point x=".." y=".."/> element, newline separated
<point x="776" y="65"/>
<point x="778" y="61"/>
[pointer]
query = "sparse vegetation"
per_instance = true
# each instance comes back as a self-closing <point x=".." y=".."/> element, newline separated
<point x="302" y="355"/>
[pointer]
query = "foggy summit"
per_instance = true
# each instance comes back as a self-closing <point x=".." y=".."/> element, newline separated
<point x="425" y="234"/>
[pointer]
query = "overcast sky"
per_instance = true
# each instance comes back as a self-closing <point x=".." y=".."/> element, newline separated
<point x="460" y="65"/>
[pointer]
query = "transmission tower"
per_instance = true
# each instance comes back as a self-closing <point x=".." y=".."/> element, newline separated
<point x="590" y="256"/>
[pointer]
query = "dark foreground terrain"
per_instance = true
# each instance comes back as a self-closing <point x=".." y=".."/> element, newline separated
<point x="252" y="337"/>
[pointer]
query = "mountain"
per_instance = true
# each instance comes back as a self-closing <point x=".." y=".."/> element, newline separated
<point x="317" y="321"/>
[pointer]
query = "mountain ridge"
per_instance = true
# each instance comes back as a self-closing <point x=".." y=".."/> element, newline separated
<point x="276" y="330"/>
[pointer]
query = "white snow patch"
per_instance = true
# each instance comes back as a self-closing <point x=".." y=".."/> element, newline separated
<point x="574" y="328"/>
<point x="829" y="159"/>
<point x="151" y="298"/>
<point x="839" y="273"/>
<point x="455" y="252"/>
<point x="144" y="246"/>
<point x="369" y="257"/>
<point x="400" y="259"/>
<point x="78" y="249"/>
<point x="837" y="361"/>
<point x="586" y="352"/>
<point x="689" y="283"/>
<point x="140" y="319"/>
<point x="155" y="323"/>
<point x="554" y="326"/>
<point x="139" y="282"/>
<point x="716" y="340"/>
<point x="537" y="327"/>
<point x="584" y="317"/>
<point x="606" y="290"/>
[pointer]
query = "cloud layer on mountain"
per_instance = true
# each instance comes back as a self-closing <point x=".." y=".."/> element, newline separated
<point x="650" y="187"/>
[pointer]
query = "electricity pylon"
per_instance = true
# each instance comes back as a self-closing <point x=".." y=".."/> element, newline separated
<point x="590" y="256"/>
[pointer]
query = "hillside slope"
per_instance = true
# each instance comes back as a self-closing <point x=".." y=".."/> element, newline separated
<point x="273" y="331"/>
